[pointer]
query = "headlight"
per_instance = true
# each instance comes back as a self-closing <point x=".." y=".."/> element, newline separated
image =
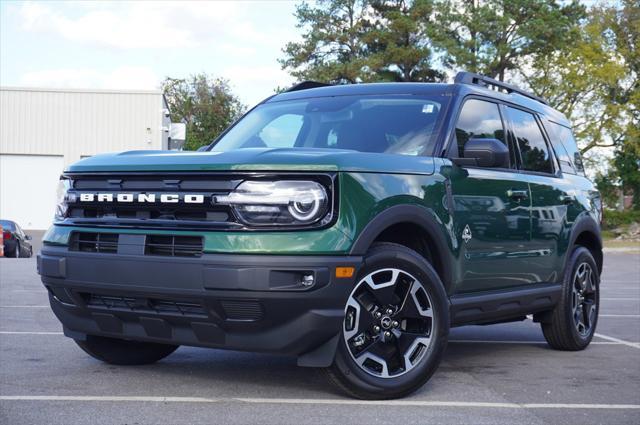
<point x="284" y="202"/>
<point x="63" y="199"/>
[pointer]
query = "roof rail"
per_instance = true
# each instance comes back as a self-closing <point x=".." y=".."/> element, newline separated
<point x="305" y="85"/>
<point x="481" y="80"/>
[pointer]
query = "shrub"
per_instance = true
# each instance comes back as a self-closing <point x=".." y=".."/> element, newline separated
<point x="613" y="218"/>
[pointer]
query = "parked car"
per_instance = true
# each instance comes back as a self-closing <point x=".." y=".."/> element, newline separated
<point x="350" y="226"/>
<point x="16" y="243"/>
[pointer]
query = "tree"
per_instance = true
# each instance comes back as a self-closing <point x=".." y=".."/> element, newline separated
<point x="333" y="47"/>
<point x="595" y="82"/>
<point x="351" y="41"/>
<point x="205" y="104"/>
<point x="492" y="37"/>
<point x="398" y="41"/>
<point x="588" y="81"/>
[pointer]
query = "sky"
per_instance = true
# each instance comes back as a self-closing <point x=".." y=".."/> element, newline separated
<point x="135" y="45"/>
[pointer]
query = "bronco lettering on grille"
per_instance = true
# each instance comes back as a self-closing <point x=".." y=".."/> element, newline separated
<point x="165" y="198"/>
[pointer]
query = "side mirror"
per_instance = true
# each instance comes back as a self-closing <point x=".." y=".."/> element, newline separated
<point x="489" y="153"/>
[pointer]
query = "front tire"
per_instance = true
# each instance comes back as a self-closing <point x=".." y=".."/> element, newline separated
<point x="16" y="254"/>
<point x="573" y="321"/>
<point x="122" y="352"/>
<point x="396" y="326"/>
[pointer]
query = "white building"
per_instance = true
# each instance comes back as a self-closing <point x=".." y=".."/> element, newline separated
<point x="42" y="131"/>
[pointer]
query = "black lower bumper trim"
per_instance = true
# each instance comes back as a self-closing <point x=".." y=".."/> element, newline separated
<point x="250" y="303"/>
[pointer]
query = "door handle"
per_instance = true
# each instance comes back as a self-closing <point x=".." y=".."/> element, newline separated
<point x="517" y="194"/>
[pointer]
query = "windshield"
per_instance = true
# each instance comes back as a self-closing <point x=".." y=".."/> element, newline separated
<point x="400" y="124"/>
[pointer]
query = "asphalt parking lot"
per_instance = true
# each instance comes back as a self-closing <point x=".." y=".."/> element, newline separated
<point x="500" y="374"/>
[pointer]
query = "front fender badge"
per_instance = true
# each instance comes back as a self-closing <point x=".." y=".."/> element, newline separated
<point x="466" y="234"/>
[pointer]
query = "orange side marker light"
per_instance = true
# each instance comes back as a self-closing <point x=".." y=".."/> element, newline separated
<point x="345" y="272"/>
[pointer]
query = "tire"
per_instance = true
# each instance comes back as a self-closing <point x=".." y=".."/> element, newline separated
<point x="573" y="321"/>
<point x="399" y="349"/>
<point x="16" y="253"/>
<point x="123" y="352"/>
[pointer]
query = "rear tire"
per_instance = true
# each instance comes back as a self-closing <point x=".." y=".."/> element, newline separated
<point x="396" y="326"/>
<point x="573" y="321"/>
<point x="122" y="352"/>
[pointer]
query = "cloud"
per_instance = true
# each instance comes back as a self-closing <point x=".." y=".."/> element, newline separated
<point x="125" y="77"/>
<point x="146" y="25"/>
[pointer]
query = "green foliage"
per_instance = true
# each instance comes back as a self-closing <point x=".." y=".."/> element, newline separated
<point x="608" y="189"/>
<point x="614" y="219"/>
<point x="495" y="36"/>
<point x="205" y="104"/>
<point x="350" y="41"/>
<point x="591" y="80"/>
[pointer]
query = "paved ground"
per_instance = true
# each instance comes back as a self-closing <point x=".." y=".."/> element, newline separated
<point x="493" y="374"/>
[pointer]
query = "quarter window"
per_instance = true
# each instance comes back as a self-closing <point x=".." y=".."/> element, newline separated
<point x="478" y="119"/>
<point x="566" y="148"/>
<point x="533" y="149"/>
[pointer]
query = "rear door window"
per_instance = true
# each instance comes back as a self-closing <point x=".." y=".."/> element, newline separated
<point x="533" y="148"/>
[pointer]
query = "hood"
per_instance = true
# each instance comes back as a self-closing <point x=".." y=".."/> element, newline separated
<point x="257" y="159"/>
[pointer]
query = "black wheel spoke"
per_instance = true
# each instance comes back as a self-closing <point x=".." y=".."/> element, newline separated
<point x="412" y="306"/>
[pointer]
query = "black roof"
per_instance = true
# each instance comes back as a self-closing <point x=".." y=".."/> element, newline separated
<point x="514" y="96"/>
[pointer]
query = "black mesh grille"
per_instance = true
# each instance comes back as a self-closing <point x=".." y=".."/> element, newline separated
<point x="246" y="310"/>
<point x="143" y="305"/>
<point x="94" y="242"/>
<point x="174" y="246"/>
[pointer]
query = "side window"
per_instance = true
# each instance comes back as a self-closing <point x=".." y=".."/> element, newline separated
<point x="282" y="132"/>
<point x="478" y="119"/>
<point x="566" y="148"/>
<point x="533" y="149"/>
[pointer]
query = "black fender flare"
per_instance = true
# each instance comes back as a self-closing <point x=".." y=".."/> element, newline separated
<point x="584" y="223"/>
<point x="419" y="216"/>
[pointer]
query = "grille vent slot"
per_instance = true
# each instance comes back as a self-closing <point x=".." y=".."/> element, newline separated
<point x="174" y="246"/>
<point x="245" y="310"/>
<point x="94" y="242"/>
<point x="144" y="305"/>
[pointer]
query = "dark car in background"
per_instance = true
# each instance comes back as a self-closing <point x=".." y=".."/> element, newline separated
<point x="16" y="243"/>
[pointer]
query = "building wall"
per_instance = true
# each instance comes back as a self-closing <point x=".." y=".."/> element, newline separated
<point x="75" y="123"/>
<point x="43" y="131"/>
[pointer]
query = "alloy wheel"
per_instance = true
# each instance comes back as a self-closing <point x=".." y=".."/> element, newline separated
<point x="584" y="300"/>
<point x="389" y="323"/>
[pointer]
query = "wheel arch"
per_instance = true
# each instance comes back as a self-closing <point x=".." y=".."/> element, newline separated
<point x="586" y="233"/>
<point x="408" y="225"/>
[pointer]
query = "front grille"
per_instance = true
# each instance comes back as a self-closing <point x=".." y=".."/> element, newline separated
<point x="244" y="310"/>
<point x="143" y="305"/>
<point x="173" y="246"/>
<point x="153" y="213"/>
<point x="94" y="242"/>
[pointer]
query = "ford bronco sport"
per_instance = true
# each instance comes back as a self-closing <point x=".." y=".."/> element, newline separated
<point x="350" y="226"/>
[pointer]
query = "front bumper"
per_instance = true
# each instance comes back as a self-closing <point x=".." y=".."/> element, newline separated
<point x="239" y="302"/>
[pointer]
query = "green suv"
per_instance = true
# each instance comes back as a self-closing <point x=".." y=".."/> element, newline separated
<point x="349" y="226"/>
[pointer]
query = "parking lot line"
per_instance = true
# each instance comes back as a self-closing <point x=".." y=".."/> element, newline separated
<point x="419" y="403"/>
<point x="619" y="341"/>
<point x="619" y="299"/>
<point x="454" y="341"/>
<point x="24" y="306"/>
<point x="619" y="315"/>
<point x="476" y="341"/>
